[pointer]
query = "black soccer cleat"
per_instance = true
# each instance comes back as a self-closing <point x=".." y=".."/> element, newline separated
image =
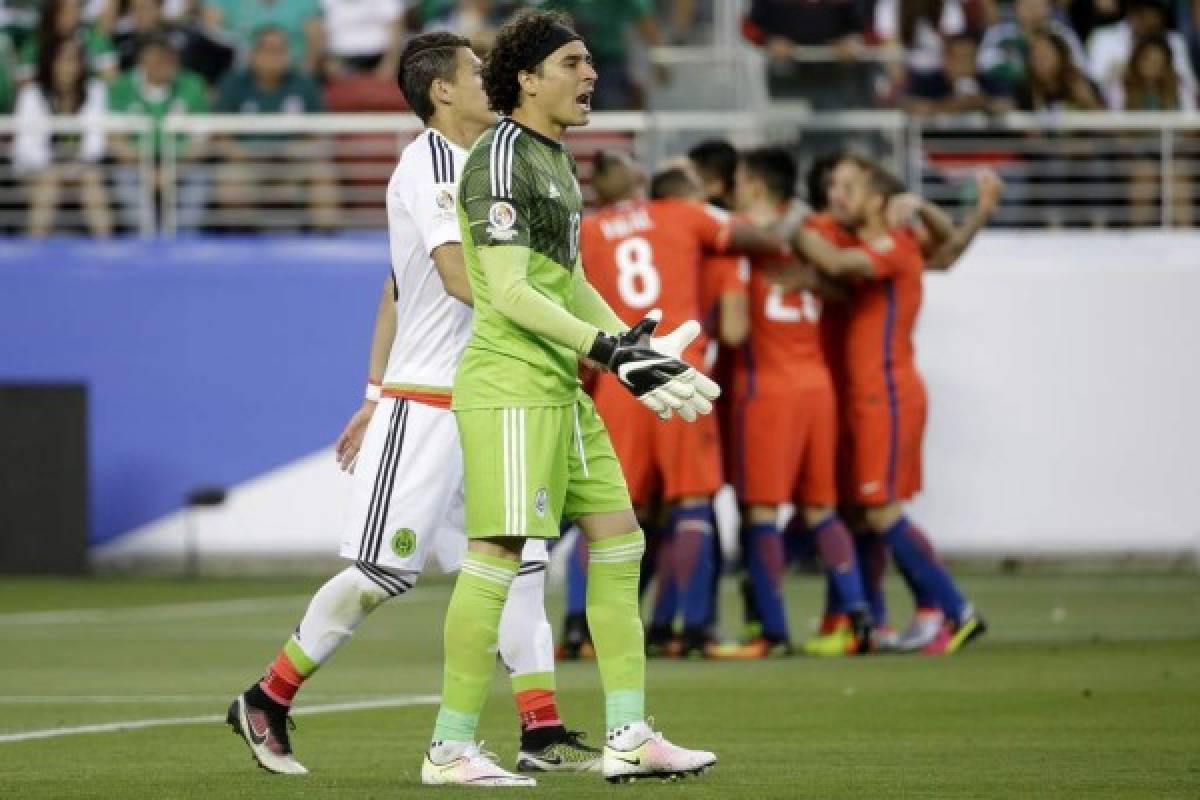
<point x="263" y="724"/>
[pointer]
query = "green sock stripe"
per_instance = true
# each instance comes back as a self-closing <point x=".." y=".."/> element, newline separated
<point x="624" y="706"/>
<point x="505" y="564"/>
<point x="533" y="680"/>
<point x="634" y="538"/>
<point x="300" y="660"/>
<point x="455" y="726"/>
<point x="487" y="574"/>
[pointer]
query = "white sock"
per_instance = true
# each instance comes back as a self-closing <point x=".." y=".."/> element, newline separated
<point x="342" y="603"/>
<point x="629" y="736"/>
<point x="525" y="637"/>
<point x="445" y="752"/>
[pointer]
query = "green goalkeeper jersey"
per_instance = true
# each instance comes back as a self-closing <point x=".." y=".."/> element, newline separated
<point x="519" y="208"/>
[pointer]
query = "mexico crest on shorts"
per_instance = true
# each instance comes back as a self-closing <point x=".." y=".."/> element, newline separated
<point x="404" y="542"/>
<point x="540" y="501"/>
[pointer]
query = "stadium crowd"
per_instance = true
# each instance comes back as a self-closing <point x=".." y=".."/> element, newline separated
<point x="79" y="58"/>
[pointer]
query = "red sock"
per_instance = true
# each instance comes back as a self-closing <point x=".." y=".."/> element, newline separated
<point x="537" y="709"/>
<point x="282" y="680"/>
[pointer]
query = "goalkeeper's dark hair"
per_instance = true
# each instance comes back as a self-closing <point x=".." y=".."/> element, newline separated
<point x="673" y="181"/>
<point x="516" y="40"/>
<point x="775" y="167"/>
<point x="715" y="159"/>
<point x="426" y="58"/>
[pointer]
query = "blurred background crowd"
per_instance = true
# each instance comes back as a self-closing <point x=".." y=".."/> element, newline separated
<point x="934" y="59"/>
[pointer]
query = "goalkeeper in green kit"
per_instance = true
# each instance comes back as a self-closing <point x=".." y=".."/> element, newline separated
<point x="534" y="450"/>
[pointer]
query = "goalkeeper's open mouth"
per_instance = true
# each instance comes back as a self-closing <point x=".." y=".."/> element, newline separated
<point x="584" y="101"/>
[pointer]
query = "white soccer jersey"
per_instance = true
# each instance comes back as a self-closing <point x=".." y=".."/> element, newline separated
<point x="432" y="328"/>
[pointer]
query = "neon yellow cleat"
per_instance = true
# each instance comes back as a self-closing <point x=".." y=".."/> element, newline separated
<point x="840" y="642"/>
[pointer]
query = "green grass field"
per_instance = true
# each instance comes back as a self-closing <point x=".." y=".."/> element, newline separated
<point x="1088" y="686"/>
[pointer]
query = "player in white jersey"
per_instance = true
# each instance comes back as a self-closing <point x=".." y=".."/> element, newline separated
<point x="402" y="446"/>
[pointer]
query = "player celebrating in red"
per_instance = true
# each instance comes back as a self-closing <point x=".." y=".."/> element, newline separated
<point x="885" y="399"/>
<point x="785" y="421"/>
<point x="642" y="255"/>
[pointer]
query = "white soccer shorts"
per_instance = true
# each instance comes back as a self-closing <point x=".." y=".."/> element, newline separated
<point x="406" y="502"/>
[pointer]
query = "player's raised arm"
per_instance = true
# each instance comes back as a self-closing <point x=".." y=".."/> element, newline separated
<point x="848" y="263"/>
<point x="989" y="189"/>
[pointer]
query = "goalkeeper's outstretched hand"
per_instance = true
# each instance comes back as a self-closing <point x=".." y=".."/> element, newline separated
<point x="653" y="369"/>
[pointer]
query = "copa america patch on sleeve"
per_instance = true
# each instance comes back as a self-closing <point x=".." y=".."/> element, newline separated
<point x="502" y="218"/>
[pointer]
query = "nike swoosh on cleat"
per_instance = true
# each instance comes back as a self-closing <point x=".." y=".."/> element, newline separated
<point x="255" y="736"/>
<point x="636" y="762"/>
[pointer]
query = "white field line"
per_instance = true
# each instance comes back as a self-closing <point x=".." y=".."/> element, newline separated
<point x="123" y="699"/>
<point x="399" y="701"/>
<point x="157" y="613"/>
<point x="208" y="608"/>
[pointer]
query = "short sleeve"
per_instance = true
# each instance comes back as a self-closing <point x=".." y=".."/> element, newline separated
<point x="429" y="199"/>
<point x="497" y="203"/>
<point x="727" y="275"/>
<point x="711" y="225"/>
<point x="897" y="254"/>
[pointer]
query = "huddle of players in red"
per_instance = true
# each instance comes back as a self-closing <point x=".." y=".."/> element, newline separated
<point x="812" y="337"/>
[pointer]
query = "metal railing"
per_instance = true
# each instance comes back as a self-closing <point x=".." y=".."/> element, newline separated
<point x="46" y="185"/>
<point x="244" y="173"/>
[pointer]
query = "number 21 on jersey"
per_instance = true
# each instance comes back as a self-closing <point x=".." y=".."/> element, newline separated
<point x="638" y="281"/>
<point x="778" y="310"/>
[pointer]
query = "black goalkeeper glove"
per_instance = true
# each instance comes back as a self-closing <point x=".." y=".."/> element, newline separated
<point x="653" y="370"/>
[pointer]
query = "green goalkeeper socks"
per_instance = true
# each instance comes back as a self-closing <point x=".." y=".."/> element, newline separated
<point x="472" y="620"/>
<point x="616" y="625"/>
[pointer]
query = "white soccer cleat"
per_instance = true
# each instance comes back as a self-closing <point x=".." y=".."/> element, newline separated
<point x="925" y="626"/>
<point x="469" y="766"/>
<point x="637" y="751"/>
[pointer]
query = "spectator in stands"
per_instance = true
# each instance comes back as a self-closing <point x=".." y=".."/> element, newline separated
<point x="716" y="160"/>
<point x="1005" y="48"/>
<point x="363" y="36"/>
<point x="1084" y="16"/>
<point x="1110" y="47"/>
<point x="265" y="172"/>
<point x="198" y="52"/>
<point x="958" y="86"/>
<point x="300" y="20"/>
<point x="1062" y="167"/>
<point x="1151" y="83"/>
<point x="1053" y="81"/>
<point x="920" y="28"/>
<point x="63" y="19"/>
<point x="157" y="87"/>
<point x="46" y="160"/>
<point x="1188" y="20"/>
<point x="607" y="27"/>
<point x="8" y="68"/>
<point x="780" y="26"/>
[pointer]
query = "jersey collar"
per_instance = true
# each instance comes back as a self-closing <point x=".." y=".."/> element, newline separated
<point x="546" y="140"/>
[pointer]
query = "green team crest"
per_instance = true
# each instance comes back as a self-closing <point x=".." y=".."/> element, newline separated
<point x="404" y="542"/>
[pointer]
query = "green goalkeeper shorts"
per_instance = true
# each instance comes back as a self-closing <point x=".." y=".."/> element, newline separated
<point x="525" y="469"/>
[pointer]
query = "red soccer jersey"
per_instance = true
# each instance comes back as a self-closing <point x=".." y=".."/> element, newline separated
<point x="880" y="359"/>
<point x="784" y="348"/>
<point x="834" y="316"/>
<point x="645" y="255"/>
<point x="722" y="274"/>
